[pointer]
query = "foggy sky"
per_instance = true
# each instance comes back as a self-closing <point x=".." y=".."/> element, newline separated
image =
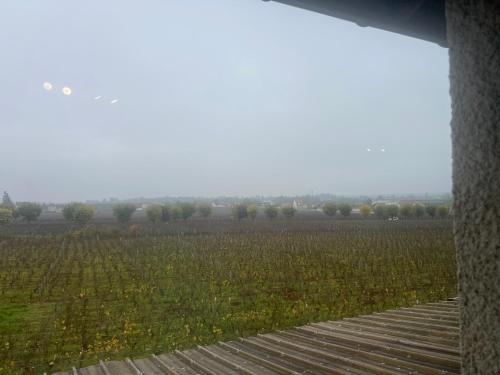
<point x="219" y="97"/>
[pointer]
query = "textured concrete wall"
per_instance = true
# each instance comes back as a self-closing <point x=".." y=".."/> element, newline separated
<point x="474" y="40"/>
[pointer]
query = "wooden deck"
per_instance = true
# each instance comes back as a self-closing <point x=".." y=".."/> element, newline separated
<point x="419" y="340"/>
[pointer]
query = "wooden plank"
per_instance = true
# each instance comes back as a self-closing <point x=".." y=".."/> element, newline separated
<point x="91" y="370"/>
<point x="404" y="328"/>
<point x="440" y="310"/>
<point x="204" y="364"/>
<point x="359" y="352"/>
<point x="271" y="363"/>
<point x="134" y="368"/>
<point x="421" y="310"/>
<point x="422" y="339"/>
<point x="452" y="306"/>
<point x="424" y="315"/>
<point x="447" y="342"/>
<point x="321" y="331"/>
<point x="384" y="349"/>
<point x="444" y="304"/>
<point x="104" y="368"/>
<point x="403" y="351"/>
<point x="150" y="367"/>
<point x="119" y="367"/>
<point x="408" y="322"/>
<point x="441" y="322"/>
<point x="354" y="359"/>
<point x="317" y="359"/>
<point x="233" y="361"/>
<point x="173" y="365"/>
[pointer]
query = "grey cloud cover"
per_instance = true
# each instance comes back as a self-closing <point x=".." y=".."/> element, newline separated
<point x="215" y="97"/>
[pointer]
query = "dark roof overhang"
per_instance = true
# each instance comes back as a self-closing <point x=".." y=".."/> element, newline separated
<point x="422" y="19"/>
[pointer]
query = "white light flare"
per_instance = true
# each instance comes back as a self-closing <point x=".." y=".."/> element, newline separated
<point x="47" y="86"/>
<point x="368" y="149"/>
<point x="97" y="97"/>
<point x="66" y="91"/>
<point x="114" y="101"/>
<point x="382" y="150"/>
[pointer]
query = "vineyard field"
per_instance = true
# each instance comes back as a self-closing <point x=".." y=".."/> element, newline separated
<point x="72" y="298"/>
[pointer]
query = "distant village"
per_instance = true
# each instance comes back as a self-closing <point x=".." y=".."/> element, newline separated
<point x="300" y="203"/>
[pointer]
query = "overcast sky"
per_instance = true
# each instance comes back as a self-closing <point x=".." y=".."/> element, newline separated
<point x="219" y="97"/>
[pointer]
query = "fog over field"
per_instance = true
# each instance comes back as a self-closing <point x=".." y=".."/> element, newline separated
<point x="216" y="97"/>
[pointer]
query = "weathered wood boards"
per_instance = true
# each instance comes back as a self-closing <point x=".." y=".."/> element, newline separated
<point x="419" y="340"/>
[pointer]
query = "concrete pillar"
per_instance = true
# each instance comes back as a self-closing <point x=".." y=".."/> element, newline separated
<point x="473" y="28"/>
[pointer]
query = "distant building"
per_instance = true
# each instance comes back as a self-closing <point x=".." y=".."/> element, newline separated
<point x="219" y="205"/>
<point x="53" y="209"/>
<point x="384" y="203"/>
<point x="299" y="203"/>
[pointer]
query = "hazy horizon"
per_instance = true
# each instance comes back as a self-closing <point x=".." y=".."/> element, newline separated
<point x="190" y="98"/>
<point x="215" y="197"/>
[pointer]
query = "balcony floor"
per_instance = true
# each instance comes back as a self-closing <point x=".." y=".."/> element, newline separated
<point x="423" y="339"/>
